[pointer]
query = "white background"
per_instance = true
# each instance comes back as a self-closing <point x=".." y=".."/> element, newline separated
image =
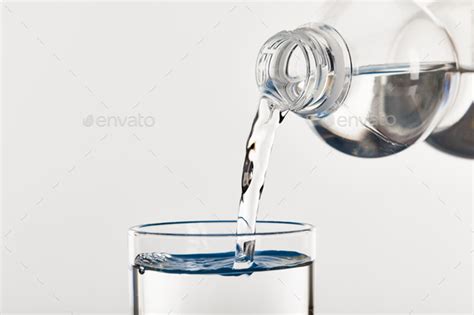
<point x="394" y="234"/>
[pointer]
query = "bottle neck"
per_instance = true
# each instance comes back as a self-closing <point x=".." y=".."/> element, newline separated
<point x="307" y="70"/>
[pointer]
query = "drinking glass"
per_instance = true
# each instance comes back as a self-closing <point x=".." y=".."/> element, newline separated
<point x="187" y="268"/>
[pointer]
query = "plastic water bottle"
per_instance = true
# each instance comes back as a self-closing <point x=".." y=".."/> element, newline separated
<point x="369" y="87"/>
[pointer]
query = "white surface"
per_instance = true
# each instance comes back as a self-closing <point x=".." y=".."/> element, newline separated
<point x="394" y="234"/>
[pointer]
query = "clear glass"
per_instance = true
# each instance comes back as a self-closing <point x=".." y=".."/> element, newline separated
<point x="370" y="83"/>
<point x="187" y="268"/>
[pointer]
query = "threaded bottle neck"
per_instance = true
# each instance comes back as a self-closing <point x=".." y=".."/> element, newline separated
<point x="307" y="70"/>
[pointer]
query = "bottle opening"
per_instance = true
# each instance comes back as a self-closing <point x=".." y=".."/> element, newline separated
<point x="307" y="70"/>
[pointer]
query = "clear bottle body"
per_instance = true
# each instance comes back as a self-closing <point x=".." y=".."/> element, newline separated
<point x="389" y="108"/>
<point x="369" y="89"/>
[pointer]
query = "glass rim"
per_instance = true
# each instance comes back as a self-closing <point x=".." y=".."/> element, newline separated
<point x="141" y="228"/>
